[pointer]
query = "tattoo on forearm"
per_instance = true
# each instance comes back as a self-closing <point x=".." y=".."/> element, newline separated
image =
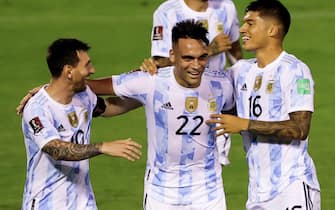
<point x="60" y="150"/>
<point x="214" y="48"/>
<point x="295" y="128"/>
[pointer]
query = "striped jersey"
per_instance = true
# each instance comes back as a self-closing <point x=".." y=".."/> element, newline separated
<point x="220" y="16"/>
<point x="182" y="162"/>
<point x="55" y="184"/>
<point x="270" y="94"/>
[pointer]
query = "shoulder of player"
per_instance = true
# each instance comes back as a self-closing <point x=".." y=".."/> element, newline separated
<point x="165" y="72"/>
<point x="36" y="104"/>
<point x="167" y="6"/>
<point x="38" y="100"/>
<point x="228" y="5"/>
<point x="292" y="63"/>
<point x="244" y="63"/>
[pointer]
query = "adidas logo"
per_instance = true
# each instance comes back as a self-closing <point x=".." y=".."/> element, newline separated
<point x="60" y="128"/>
<point x="244" y="87"/>
<point x="167" y="106"/>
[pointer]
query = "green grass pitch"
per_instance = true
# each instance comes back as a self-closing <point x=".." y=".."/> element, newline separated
<point x="119" y="33"/>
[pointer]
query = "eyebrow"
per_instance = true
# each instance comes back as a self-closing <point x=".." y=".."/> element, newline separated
<point x="192" y="57"/>
<point x="88" y="62"/>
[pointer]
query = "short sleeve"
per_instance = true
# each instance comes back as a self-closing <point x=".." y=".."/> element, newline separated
<point x="301" y="88"/>
<point x="134" y="85"/>
<point x="38" y="125"/>
<point x="161" y="35"/>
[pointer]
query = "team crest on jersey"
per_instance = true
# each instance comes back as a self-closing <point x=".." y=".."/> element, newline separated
<point x="191" y="104"/>
<point x="269" y="86"/>
<point x="212" y="106"/>
<point x="220" y="27"/>
<point x="72" y="116"/>
<point x="158" y="33"/>
<point x="36" y="125"/>
<point x="84" y="112"/>
<point x="204" y="23"/>
<point x="258" y="82"/>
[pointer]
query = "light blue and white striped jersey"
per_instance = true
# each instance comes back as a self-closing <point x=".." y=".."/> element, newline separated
<point x="221" y="16"/>
<point x="270" y="94"/>
<point x="182" y="161"/>
<point x="52" y="184"/>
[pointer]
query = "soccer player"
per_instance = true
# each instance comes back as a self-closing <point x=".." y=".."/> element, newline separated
<point x="274" y="97"/>
<point x="217" y="16"/>
<point x="183" y="170"/>
<point x="220" y="19"/>
<point x="56" y="126"/>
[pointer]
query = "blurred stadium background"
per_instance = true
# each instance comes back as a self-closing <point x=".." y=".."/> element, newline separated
<point x="119" y="33"/>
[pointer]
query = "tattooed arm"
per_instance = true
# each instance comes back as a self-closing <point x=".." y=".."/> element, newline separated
<point x="61" y="150"/>
<point x="297" y="127"/>
<point x="219" y="44"/>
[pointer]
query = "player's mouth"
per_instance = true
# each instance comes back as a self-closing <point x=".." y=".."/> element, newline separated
<point x="245" y="38"/>
<point x="194" y="74"/>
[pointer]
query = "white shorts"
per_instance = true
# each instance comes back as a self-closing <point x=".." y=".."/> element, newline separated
<point x="297" y="196"/>
<point x="152" y="204"/>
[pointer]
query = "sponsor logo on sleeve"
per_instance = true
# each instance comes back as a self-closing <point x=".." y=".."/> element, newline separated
<point x="36" y="125"/>
<point x="158" y="33"/>
<point x="304" y="86"/>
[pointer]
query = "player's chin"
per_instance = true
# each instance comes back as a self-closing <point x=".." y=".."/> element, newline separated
<point x="248" y="47"/>
<point x="80" y="88"/>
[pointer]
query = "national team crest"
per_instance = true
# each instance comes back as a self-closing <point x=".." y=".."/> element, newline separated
<point x="204" y="23"/>
<point x="269" y="86"/>
<point x="212" y="106"/>
<point x="73" y="119"/>
<point x="258" y="83"/>
<point x="191" y="104"/>
<point x="220" y="27"/>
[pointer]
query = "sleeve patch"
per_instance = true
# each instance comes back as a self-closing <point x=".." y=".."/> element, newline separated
<point x="304" y="86"/>
<point x="158" y="33"/>
<point x="36" y="125"/>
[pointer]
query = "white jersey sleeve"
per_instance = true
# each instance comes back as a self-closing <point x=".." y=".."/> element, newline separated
<point x="301" y="88"/>
<point x="124" y="84"/>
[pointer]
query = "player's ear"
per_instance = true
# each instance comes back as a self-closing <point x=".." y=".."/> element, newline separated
<point x="67" y="70"/>
<point x="274" y="30"/>
<point x="172" y="56"/>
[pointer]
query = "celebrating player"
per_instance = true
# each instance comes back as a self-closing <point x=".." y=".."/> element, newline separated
<point x="56" y="126"/>
<point x="183" y="169"/>
<point x="274" y="97"/>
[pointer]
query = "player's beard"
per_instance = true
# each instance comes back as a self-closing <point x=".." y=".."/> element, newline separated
<point x="80" y="87"/>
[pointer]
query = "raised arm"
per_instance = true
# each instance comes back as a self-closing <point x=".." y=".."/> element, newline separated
<point x="116" y="106"/>
<point x="235" y="53"/>
<point x="101" y="86"/>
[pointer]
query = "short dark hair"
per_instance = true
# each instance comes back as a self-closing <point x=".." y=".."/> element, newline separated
<point x="64" y="52"/>
<point x="189" y="29"/>
<point x="272" y="8"/>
